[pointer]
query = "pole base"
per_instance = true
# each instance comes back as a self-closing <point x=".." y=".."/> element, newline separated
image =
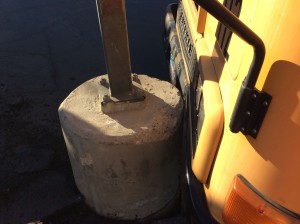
<point x="125" y="164"/>
<point x="131" y="100"/>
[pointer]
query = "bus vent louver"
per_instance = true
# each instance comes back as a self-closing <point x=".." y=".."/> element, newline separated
<point x="188" y="48"/>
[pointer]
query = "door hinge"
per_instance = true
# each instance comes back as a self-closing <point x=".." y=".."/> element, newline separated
<point x="250" y="110"/>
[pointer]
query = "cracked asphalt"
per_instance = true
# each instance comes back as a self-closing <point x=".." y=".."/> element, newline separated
<point x="48" y="48"/>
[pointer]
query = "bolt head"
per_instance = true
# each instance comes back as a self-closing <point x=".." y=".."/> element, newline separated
<point x="105" y="98"/>
<point x="135" y="77"/>
<point x="103" y="81"/>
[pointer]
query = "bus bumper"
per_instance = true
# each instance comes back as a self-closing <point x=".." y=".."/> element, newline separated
<point x="193" y="198"/>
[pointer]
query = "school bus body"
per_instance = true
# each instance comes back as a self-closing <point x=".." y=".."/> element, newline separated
<point x="266" y="159"/>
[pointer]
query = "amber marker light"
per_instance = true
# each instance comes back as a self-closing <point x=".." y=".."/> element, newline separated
<point x="245" y="205"/>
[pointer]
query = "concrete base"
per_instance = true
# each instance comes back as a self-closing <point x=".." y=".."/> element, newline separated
<point x="126" y="163"/>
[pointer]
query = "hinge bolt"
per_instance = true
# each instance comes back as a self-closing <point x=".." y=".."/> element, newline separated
<point x="254" y="131"/>
<point x="265" y="103"/>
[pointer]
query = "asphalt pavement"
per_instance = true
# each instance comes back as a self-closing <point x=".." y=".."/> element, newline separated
<point x="47" y="49"/>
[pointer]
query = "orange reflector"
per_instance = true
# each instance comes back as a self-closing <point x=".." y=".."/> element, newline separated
<point x="244" y="205"/>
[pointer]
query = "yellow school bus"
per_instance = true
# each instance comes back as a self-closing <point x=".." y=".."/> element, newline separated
<point x="237" y="63"/>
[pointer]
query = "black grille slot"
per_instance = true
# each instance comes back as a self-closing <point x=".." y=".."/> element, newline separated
<point x="223" y="34"/>
<point x="188" y="48"/>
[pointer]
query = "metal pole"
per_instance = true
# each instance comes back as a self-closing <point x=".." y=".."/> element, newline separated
<point x="112" y="17"/>
<point x="118" y="91"/>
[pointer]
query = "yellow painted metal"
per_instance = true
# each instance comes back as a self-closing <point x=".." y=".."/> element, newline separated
<point x="212" y="126"/>
<point x="202" y="14"/>
<point x="270" y="162"/>
<point x="211" y="130"/>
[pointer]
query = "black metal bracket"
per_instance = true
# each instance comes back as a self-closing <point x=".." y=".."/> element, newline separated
<point x="250" y="114"/>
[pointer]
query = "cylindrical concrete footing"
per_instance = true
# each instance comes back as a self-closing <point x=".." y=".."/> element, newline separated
<point x="126" y="163"/>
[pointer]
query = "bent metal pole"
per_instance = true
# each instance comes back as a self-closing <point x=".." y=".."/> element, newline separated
<point x="112" y="17"/>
